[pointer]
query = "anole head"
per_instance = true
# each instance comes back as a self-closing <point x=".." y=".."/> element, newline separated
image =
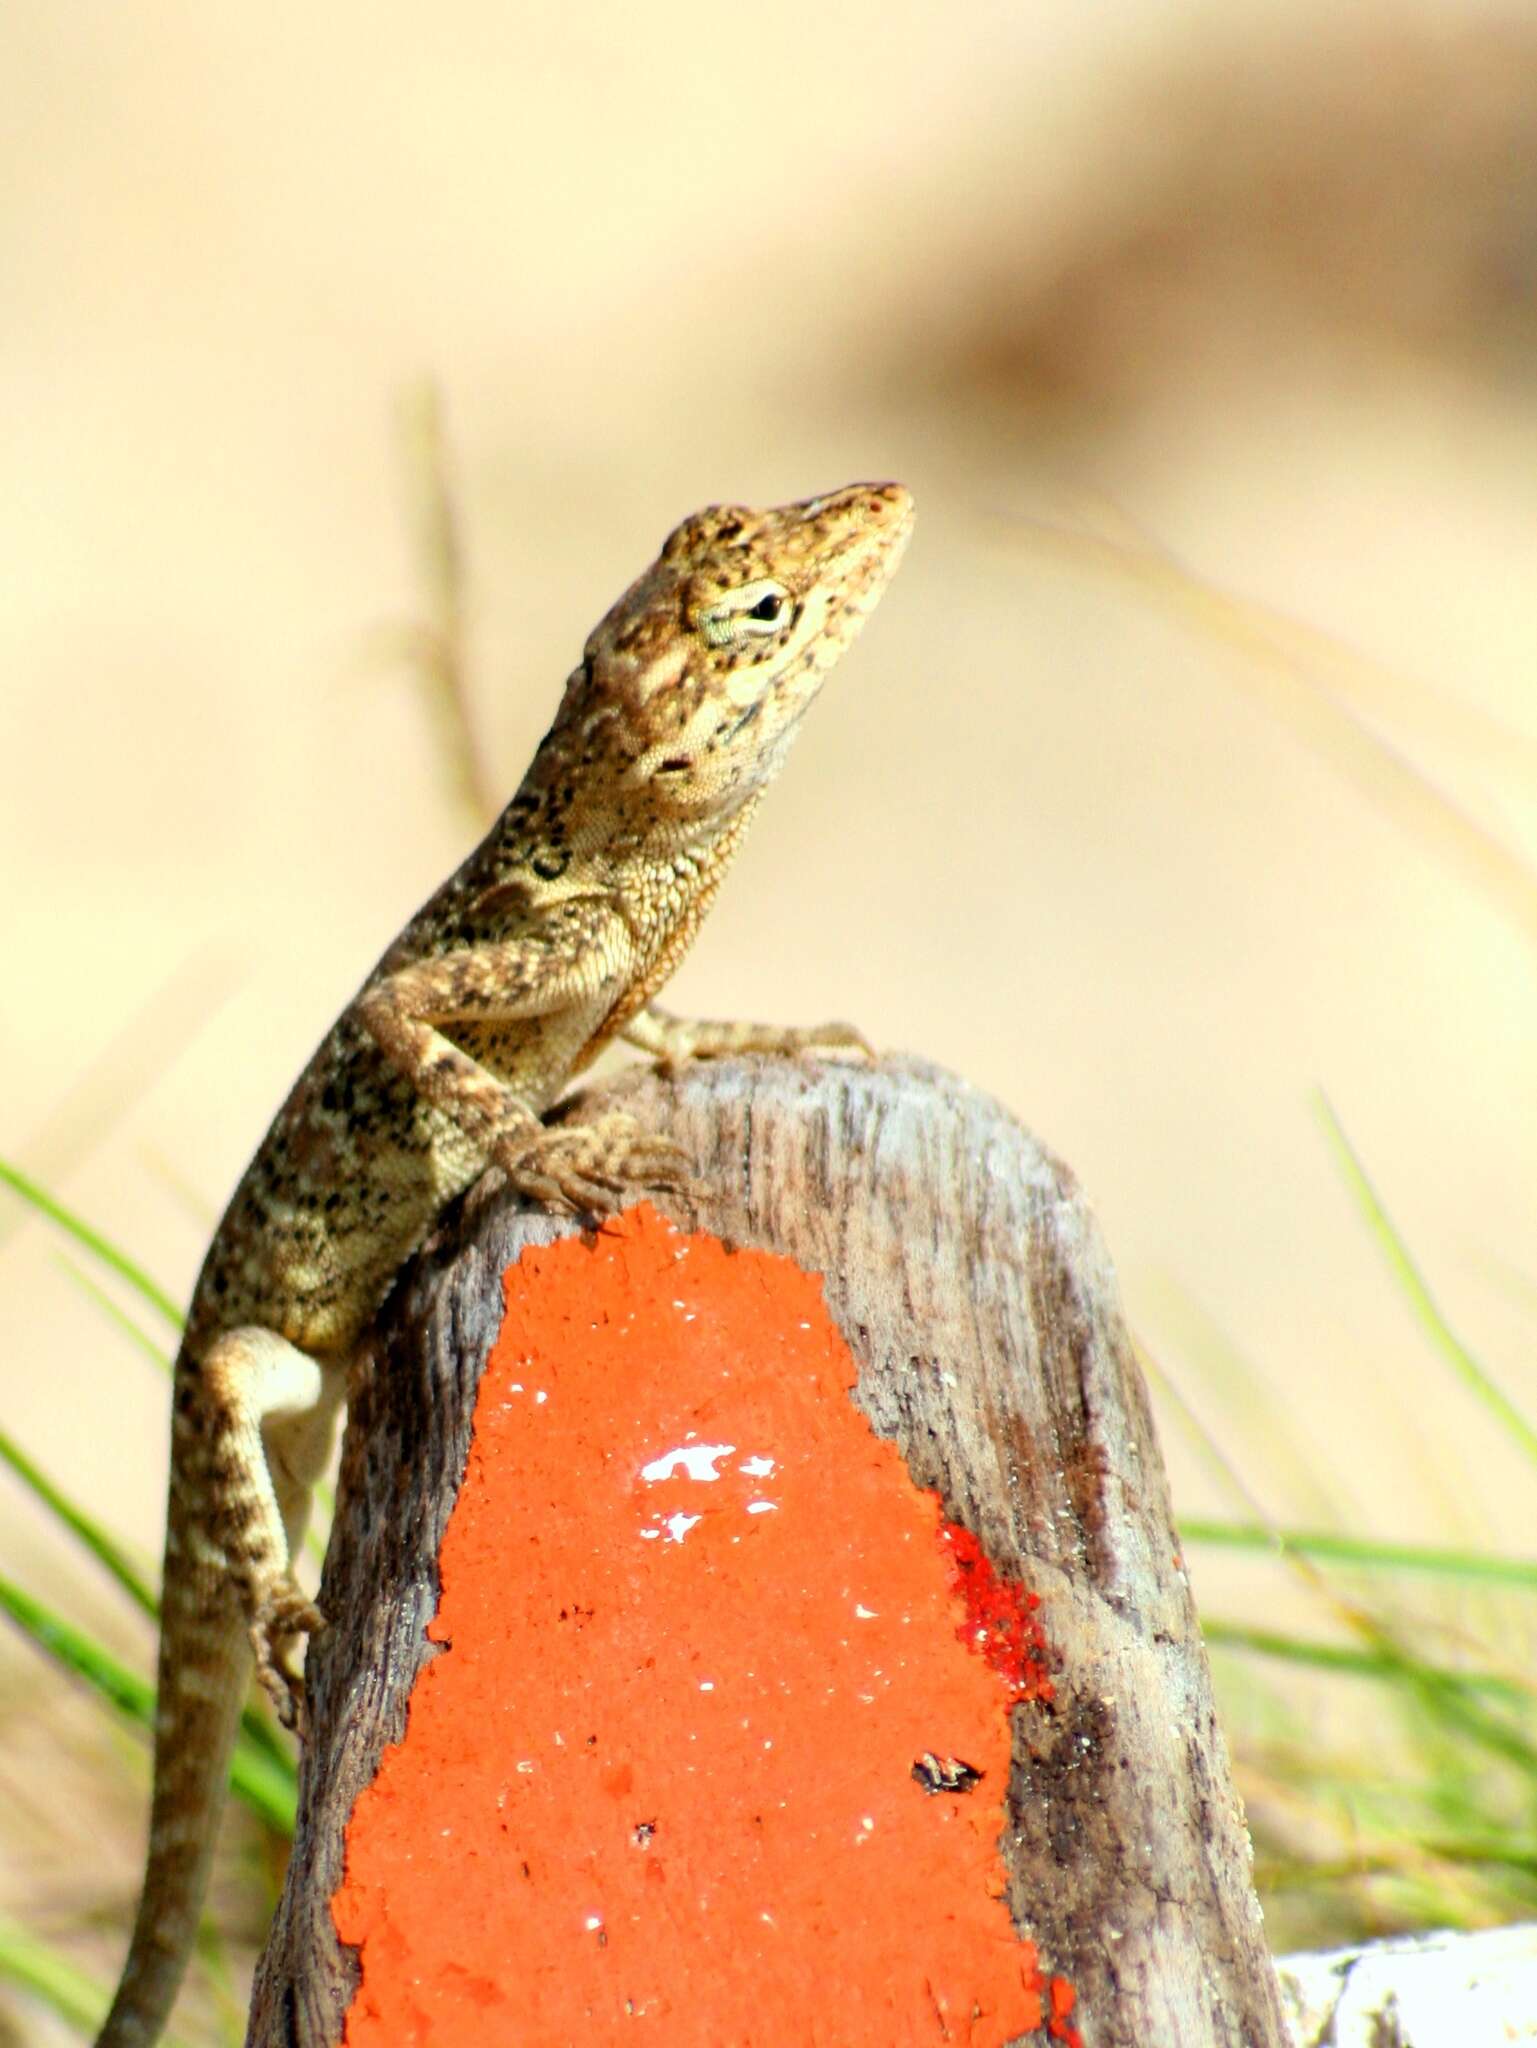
<point x="693" y="685"/>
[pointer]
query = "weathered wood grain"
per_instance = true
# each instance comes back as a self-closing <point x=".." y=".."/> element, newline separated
<point x="967" y="1273"/>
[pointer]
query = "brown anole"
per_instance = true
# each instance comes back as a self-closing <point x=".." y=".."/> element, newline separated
<point x="549" y="941"/>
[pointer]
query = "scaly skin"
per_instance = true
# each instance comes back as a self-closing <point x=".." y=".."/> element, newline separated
<point x="550" y="940"/>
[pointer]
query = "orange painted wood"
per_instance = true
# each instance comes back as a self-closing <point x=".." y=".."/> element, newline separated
<point x="699" y="1630"/>
<point x="795" y="1646"/>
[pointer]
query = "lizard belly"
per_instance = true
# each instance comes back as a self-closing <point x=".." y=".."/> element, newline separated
<point x="338" y="1275"/>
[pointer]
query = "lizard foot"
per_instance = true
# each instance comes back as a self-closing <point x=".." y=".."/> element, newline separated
<point x="814" y="1038"/>
<point x="671" y="1041"/>
<point x="590" y="1169"/>
<point x="282" y="1613"/>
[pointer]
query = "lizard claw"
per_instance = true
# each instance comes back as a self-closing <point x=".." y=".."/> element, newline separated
<point x="673" y="1041"/>
<point x="823" y="1038"/>
<point x="590" y="1169"/>
<point x="281" y="1614"/>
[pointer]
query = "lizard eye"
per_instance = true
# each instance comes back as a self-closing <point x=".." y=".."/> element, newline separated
<point x="756" y="610"/>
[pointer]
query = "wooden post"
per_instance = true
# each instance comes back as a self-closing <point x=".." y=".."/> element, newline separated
<point x="893" y="1800"/>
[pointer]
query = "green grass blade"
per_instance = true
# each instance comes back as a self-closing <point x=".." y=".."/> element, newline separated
<point x="117" y="1314"/>
<point x="1357" y="1663"/>
<point x="257" y="1727"/>
<point x="260" y="1731"/>
<point x="87" y="1531"/>
<point x="90" y="1240"/>
<point x="1459" y="1714"/>
<point x="266" y="1739"/>
<point x="1474" y="1376"/>
<point x="1463" y="1705"/>
<point x="98" y="1542"/>
<point x="228" y="2024"/>
<point x="263" y="1782"/>
<point x="1459" y="1705"/>
<point x="1509" y="1850"/>
<point x="33" y="1967"/>
<point x="1364" y="1555"/>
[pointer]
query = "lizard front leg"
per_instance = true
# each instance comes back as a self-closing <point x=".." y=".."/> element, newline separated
<point x="577" y="1167"/>
<point x="671" y="1040"/>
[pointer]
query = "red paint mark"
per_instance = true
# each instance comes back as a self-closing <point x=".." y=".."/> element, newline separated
<point x="698" y="1629"/>
<point x="1062" y="1998"/>
<point x="1000" y="1623"/>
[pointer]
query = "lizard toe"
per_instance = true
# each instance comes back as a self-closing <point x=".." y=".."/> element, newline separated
<point x="280" y="1615"/>
<point x="845" y="1038"/>
<point x="591" y="1169"/>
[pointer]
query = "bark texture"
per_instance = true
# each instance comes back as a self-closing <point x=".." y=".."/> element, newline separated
<point x="966" y="1271"/>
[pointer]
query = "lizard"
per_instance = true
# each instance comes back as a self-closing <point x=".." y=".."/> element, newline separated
<point x="551" y="939"/>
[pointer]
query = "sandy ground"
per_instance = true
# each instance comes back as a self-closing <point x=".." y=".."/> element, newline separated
<point x="1054" y="825"/>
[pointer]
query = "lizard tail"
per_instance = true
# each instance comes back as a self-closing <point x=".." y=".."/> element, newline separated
<point x="205" y="1667"/>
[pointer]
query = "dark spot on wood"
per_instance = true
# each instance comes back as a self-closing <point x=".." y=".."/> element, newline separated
<point x="944" y="1773"/>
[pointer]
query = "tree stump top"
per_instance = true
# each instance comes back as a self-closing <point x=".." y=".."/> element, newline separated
<point x="964" y="1271"/>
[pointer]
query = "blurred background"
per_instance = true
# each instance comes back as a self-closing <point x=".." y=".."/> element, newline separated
<point x="1188" y="775"/>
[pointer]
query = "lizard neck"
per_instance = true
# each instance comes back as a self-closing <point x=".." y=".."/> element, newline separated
<point x="570" y="826"/>
<point x="664" y="888"/>
<point x="662" y="900"/>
